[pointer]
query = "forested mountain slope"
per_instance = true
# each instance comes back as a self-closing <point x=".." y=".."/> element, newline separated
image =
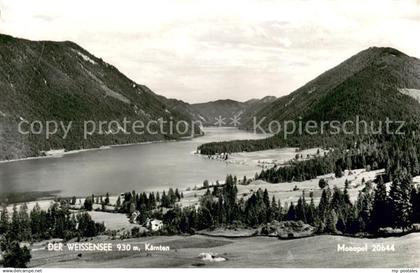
<point x="373" y="85"/>
<point x="208" y="113"/>
<point x="44" y="80"/>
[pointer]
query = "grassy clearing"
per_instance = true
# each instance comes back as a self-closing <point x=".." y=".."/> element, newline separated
<point x="290" y="192"/>
<point x="318" y="251"/>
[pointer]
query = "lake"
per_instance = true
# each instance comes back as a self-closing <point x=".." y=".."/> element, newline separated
<point x="140" y="167"/>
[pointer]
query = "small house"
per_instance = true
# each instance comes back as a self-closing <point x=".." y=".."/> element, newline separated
<point x="155" y="224"/>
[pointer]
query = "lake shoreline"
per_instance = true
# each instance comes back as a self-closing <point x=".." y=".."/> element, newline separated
<point x="131" y="164"/>
<point x="62" y="152"/>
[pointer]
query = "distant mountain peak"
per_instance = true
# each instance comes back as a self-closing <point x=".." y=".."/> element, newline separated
<point x="367" y="84"/>
<point x="386" y="50"/>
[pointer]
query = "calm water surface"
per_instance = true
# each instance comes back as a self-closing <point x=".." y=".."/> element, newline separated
<point x="137" y="167"/>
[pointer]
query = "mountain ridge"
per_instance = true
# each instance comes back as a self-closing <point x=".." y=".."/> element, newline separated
<point x="369" y="61"/>
<point x="208" y="113"/>
<point x="47" y="80"/>
<point x="373" y="85"/>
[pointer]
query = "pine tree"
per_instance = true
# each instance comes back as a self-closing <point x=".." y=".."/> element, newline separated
<point x="346" y="193"/>
<point x="184" y="224"/>
<point x="353" y="224"/>
<point x="338" y="171"/>
<point x="337" y="200"/>
<point x="88" y="204"/>
<point x="311" y="214"/>
<point x="165" y="200"/>
<point x="364" y="207"/>
<point x="205" y="219"/>
<point x="324" y="205"/>
<point x="301" y="208"/>
<point x="106" y="202"/>
<point x="14" y="255"/>
<point x="400" y="194"/>
<point x="15" y="225"/>
<point x="322" y="183"/>
<point x="172" y="197"/>
<point x="415" y="201"/>
<point x="380" y="210"/>
<point x="341" y="222"/>
<point x="349" y="163"/>
<point x="177" y="195"/>
<point x="36" y="225"/>
<point x="266" y="199"/>
<point x="331" y="222"/>
<point x="4" y="221"/>
<point x="221" y="214"/>
<point x="274" y="210"/>
<point x="118" y="203"/>
<point x="291" y="213"/>
<point x="229" y="196"/>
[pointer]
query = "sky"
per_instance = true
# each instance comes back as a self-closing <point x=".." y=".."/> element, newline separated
<point x="203" y="50"/>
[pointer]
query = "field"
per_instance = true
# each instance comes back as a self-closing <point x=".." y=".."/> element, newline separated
<point x="270" y="158"/>
<point x="318" y="251"/>
<point x="291" y="191"/>
<point x="286" y="192"/>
